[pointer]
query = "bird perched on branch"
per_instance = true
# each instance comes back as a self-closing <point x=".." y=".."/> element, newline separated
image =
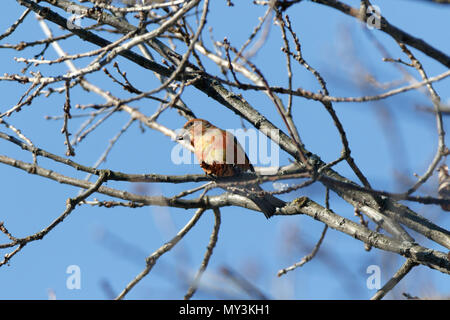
<point x="220" y="154"/>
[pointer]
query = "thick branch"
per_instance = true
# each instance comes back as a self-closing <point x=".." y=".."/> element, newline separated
<point x="430" y="258"/>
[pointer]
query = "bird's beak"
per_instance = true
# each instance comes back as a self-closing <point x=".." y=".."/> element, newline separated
<point x="181" y="135"/>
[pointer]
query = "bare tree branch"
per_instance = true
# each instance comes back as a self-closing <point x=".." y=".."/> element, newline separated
<point x="151" y="260"/>
<point x="396" y="278"/>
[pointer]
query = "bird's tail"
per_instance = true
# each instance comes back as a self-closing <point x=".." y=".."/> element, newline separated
<point x="266" y="202"/>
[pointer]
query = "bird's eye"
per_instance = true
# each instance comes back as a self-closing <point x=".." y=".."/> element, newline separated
<point x="181" y="135"/>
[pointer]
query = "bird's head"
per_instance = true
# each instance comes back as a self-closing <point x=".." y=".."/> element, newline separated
<point x="193" y="128"/>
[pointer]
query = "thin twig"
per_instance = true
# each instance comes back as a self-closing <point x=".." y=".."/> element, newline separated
<point x="151" y="260"/>
<point x="441" y="149"/>
<point x="316" y="248"/>
<point x="306" y="258"/>
<point x="396" y="278"/>
<point x="209" y="250"/>
<point x="71" y="203"/>
<point x="248" y="287"/>
<point x="70" y="151"/>
<point x="14" y="26"/>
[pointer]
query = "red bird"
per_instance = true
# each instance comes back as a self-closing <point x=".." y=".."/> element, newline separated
<point x="221" y="155"/>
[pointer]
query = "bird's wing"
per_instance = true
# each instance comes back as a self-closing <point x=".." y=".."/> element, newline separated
<point x="239" y="157"/>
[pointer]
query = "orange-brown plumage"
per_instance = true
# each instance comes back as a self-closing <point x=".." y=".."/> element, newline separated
<point x="220" y="154"/>
<point x="217" y="150"/>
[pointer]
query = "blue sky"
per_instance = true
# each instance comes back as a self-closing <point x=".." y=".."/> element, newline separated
<point x="110" y="245"/>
